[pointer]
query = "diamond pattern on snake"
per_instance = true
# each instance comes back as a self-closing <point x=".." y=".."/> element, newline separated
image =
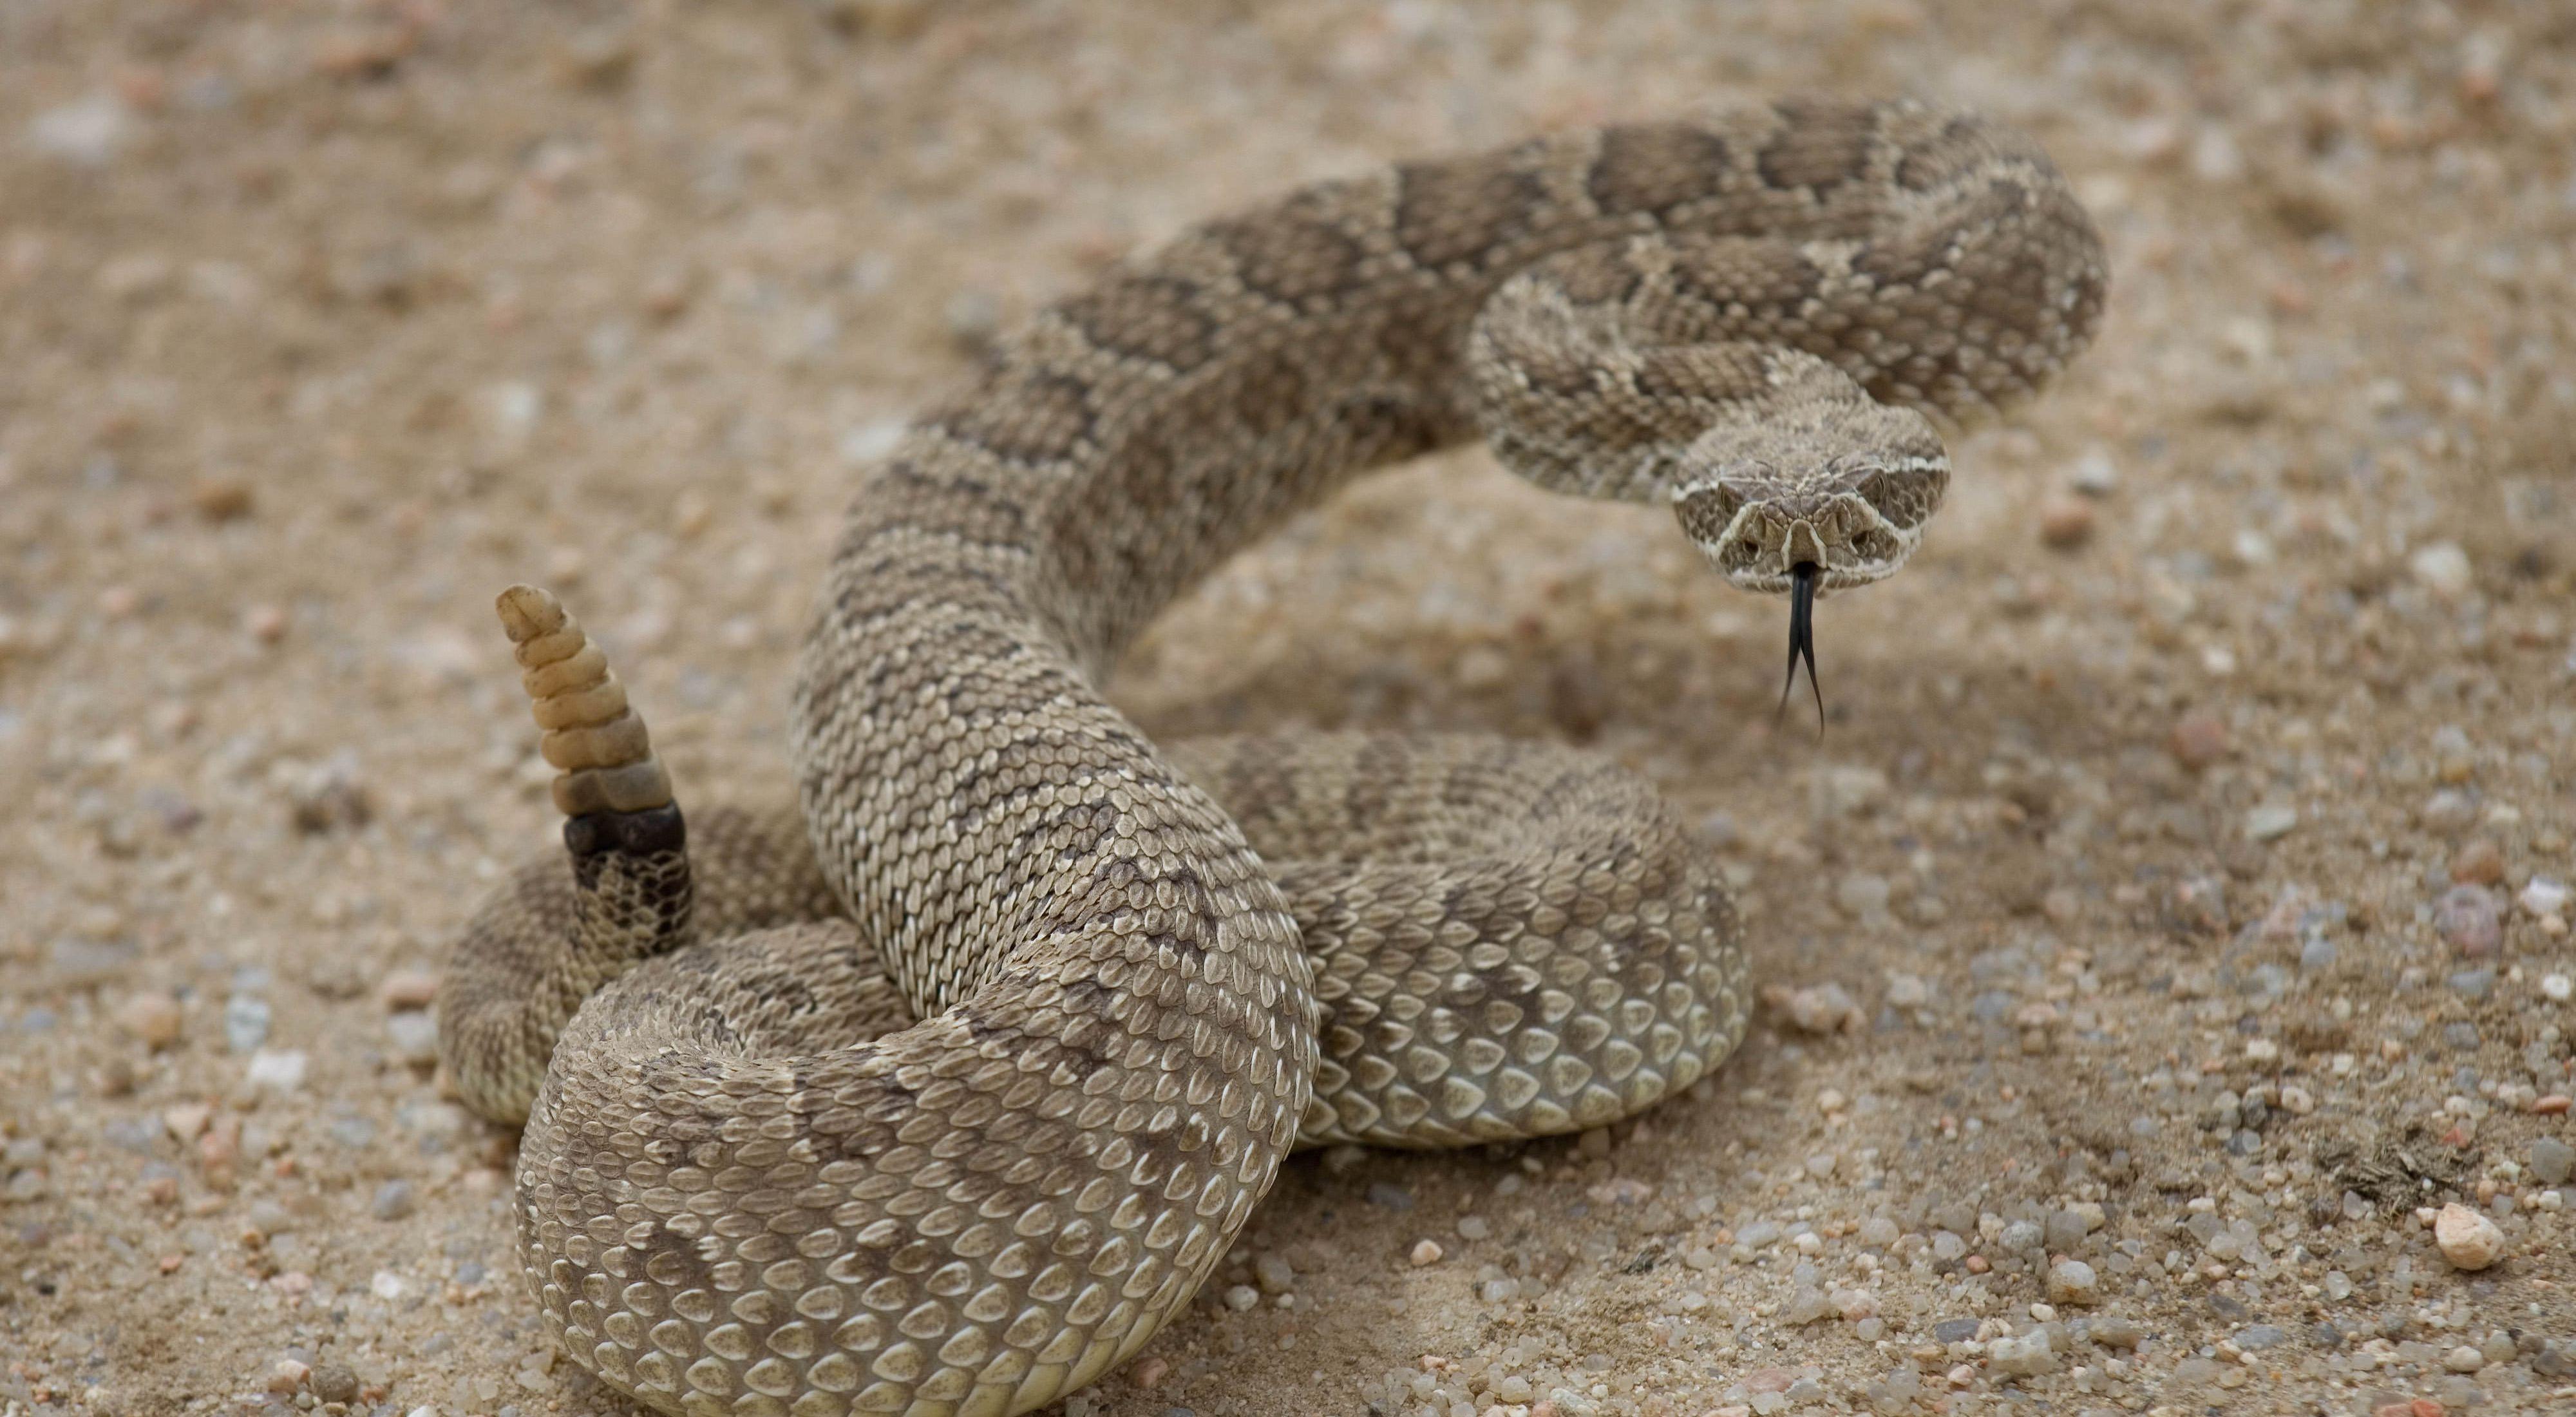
<point x="940" y="1089"/>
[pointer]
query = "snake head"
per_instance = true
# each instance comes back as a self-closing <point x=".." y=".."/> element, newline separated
<point x="1849" y="497"/>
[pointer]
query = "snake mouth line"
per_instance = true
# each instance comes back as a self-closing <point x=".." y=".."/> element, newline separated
<point x="1802" y="638"/>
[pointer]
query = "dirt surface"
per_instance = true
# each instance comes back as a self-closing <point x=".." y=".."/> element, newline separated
<point x="2165" y="924"/>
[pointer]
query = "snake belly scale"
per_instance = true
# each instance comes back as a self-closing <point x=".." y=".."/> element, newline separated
<point x="940" y="1090"/>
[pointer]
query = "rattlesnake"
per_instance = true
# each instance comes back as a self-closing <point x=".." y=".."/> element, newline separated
<point x="750" y="1183"/>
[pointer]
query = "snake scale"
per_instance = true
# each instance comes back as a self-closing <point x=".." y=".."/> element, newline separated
<point x="942" y="1090"/>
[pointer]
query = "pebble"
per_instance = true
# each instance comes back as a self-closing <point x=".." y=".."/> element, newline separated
<point x="334" y="1382"/>
<point x="2557" y="988"/>
<point x="2542" y="896"/>
<point x="1388" y="1196"/>
<point x="2468" y="921"/>
<point x="1818" y="1008"/>
<point x="286" y="1375"/>
<point x="1862" y="896"/>
<point x="151" y="1018"/>
<point x="393" y="1201"/>
<point x="2072" y="1282"/>
<point x="2113" y="1331"/>
<point x="2464" y="1359"/>
<point x="2467" y="1239"/>
<point x="2066" y="523"/>
<point x="1426" y="1252"/>
<point x="246" y="1020"/>
<point x="86" y="132"/>
<point x="1242" y="1297"/>
<point x="1273" y="1274"/>
<point x="2026" y="1356"/>
<point x="277" y="1069"/>
<point x="2270" y="822"/>
<point x="2480" y="863"/>
<point x="2198" y="740"/>
<point x="2552" y="1160"/>
<point x="408" y="989"/>
<point x="2448" y="810"/>
<point x="2094" y="474"/>
<point x="414" y="1036"/>
<point x="2442" y="568"/>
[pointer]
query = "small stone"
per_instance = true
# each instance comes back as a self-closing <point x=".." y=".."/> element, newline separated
<point x="408" y="989"/>
<point x="2027" y="1356"/>
<point x="2442" y="568"/>
<point x="2198" y="740"/>
<point x="2542" y="896"/>
<point x="2480" y="863"/>
<point x="393" y="1201"/>
<point x="187" y="1120"/>
<point x="1862" y="896"/>
<point x="1242" y="1298"/>
<point x="334" y="1382"/>
<point x="246" y="1019"/>
<point x="1388" y="1196"/>
<point x="2468" y="920"/>
<point x="277" y="1069"/>
<point x="1818" y="1008"/>
<point x="414" y="1036"/>
<point x="1273" y="1274"/>
<point x="2270" y="822"/>
<point x="2448" y="810"/>
<point x="2113" y="1331"/>
<point x="2557" y="988"/>
<point x="2072" y="1282"/>
<point x="87" y="132"/>
<point x="2464" y="1359"/>
<point x="2552" y="1160"/>
<point x="2467" y="1239"/>
<point x="286" y="1375"/>
<point x="221" y="499"/>
<point x="151" y="1018"/>
<point x="1426" y="1252"/>
<point x="2094" y="474"/>
<point x="265" y="623"/>
<point x="2066" y="523"/>
<point x="2260" y="1337"/>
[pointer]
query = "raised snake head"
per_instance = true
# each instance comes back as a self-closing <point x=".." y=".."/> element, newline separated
<point x="1847" y="493"/>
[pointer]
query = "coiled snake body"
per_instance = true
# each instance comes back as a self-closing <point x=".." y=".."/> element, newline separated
<point x="751" y="1182"/>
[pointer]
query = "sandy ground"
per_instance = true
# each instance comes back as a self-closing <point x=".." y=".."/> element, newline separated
<point x="2165" y="924"/>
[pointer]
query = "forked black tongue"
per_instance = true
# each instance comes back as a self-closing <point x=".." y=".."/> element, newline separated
<point x="1802" y="638"/>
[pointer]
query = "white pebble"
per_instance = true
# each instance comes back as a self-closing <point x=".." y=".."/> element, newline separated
<point x="279" y="1068"/>
<point x="2468" y="1240"/>
<point x="1426" y="1252"/>
<point x="2558" y="987"/>
<point x="2542" y="896"/>
<point x="86" y="132"/>
<point x="2443" y="568"/>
